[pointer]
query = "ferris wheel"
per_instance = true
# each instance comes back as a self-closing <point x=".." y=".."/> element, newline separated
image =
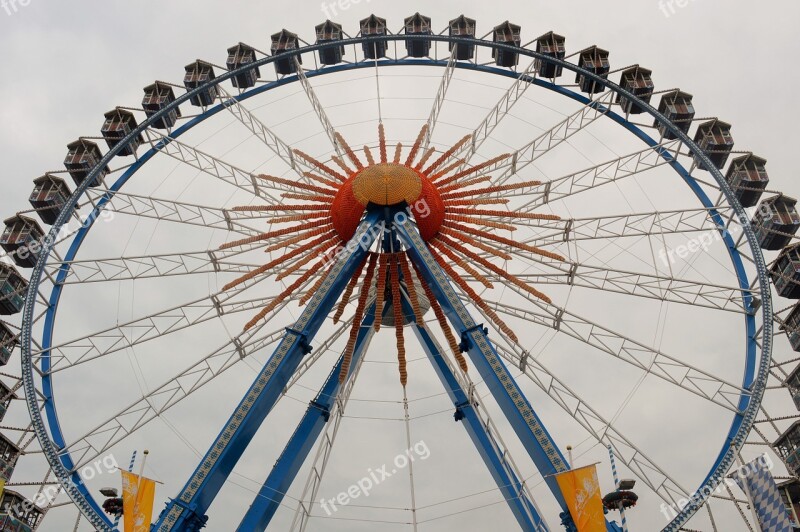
<point x="297" y="244"/>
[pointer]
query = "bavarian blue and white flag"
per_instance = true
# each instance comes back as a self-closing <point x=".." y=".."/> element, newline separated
<point x="757" y="480"/>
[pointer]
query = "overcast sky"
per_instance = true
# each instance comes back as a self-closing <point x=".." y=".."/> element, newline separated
<point x="65" y="64"/>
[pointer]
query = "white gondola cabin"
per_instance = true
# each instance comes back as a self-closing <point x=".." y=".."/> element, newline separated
<point x="551" y="45"/>
<point x="282" y="42"/>
<point x="330" y="32"/>
<point x="12" y="290"/>
<point x="8" y="343"/>
<point x="157" y="97"/>
<point x="775" y="221"/>
<point x="506" y="33"/>
<point x="639" y="81"/>
<point x="18" y="514"/>
<point x="197" y="74"/>
<point x="48" y="197"/>
<point x="792" y="383"/>
<point x="678" y="108"/>
<point x="117" y="125"/>
<point x="22" y="239"/>
<point x="790" y="493"/>
<point x="462" y="27"/>
<point x="373" y="26"/>
<point x="747" y="176"/>
<point x="786" y="272"/>
<point x="418" y="25"/>
<point x="595" y="60"/>
<point x="82" y="157"/>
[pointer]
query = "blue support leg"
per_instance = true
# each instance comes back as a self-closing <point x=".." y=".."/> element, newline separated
<point x="187" y="511"/>
<point x="526" y="513"/>
<point x="534" y="436"/>
<point x="286" y="468"/>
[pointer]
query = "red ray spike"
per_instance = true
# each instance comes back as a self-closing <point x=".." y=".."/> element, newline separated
<point x="288" y="256"/>
<point x="382" y="138"/>
<point x="351" y="286"/>
<point x="490" y="190"/>
<point x="506" y="214"/>
<point x="273" y="234"/>
<point x="398" y="152"/>
<point x="349" y="151"/>
<point x="306" y="197"/>
<point x="398" y="321"/>
<point x="478" y="221"/>
<point x="428" y="154"/>
<point x="449" y="168"/>
<point x="283" y="295"/>
<point x="288" y="208"/>
<point x="465" y="184"/>
<point x="499" y="271"/>
<point x="411" y="287"/>
<point x="343" y="165"/>
<point x="501" y="240"/>
<point x="440" y="317"/>
<point x="417" y="145"/>
<point x="347" y="357"/>
<point x="483" y="201"/>
<point x="300" y="218"/>
<point x="476" y="299"/>
<point x="320" y="179"/>
<point x="297" y="239"/>
<point x="474" y="169"/>
<point x="317" y="251"/>
<point x="380" y="296"/>
<point x="472" y="242"/>
<point x="461" y="263"/>
<point x="298" y="184"/>
<point x="446" y="155"/>
<point x="322" y="166"/>
<point x="368" y="155"/>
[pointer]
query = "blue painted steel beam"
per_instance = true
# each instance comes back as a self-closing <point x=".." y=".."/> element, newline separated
<point x="285" y="470"/>
<point x="187" y="511"/>
<point x="524" y="510"/>
<point x="529" y="429"/>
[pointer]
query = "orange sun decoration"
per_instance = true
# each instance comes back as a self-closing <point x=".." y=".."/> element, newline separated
<point x="445" y="198"/>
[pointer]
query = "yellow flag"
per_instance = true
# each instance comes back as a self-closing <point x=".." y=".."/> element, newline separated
<point x="2" y="487"/>
<point x="581" y="490"/>
<point x="138" y="497"/>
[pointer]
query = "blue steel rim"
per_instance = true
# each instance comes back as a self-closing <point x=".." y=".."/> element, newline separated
<point x="756" y="371"/>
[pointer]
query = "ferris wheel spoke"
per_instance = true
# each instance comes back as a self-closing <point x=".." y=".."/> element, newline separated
<point x="214" y="167"/>
<point x="637" y="354"/>
<point x="637" y="284"/>
<point x="112" y="340"/>
<point x="174" y="211"/>
<point x="156" y="403"/>
<point x="319" y="109"/>
<point x="440" y="98"/>
<point x="598" y="427"/>
<point x="550" y="139"/>
<point x="648" y="224"/>
<point x="588" y="179"/>
<point x="497" y="113"/>
<point x="146" y="267"/>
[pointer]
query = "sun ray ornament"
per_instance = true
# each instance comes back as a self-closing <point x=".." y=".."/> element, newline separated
<point x="443" y="201"/>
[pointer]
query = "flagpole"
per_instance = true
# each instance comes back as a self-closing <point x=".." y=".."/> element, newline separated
<point x="749" y="495"/>
<point x="616" y="486"/>
<point x="130" y="470"/>
<point x="139" y="483"/>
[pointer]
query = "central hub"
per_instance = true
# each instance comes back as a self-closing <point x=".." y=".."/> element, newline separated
<point x="387" y="184"/>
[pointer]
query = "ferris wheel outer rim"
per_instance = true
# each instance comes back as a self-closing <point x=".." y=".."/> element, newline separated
<point x="761" y="372"/>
